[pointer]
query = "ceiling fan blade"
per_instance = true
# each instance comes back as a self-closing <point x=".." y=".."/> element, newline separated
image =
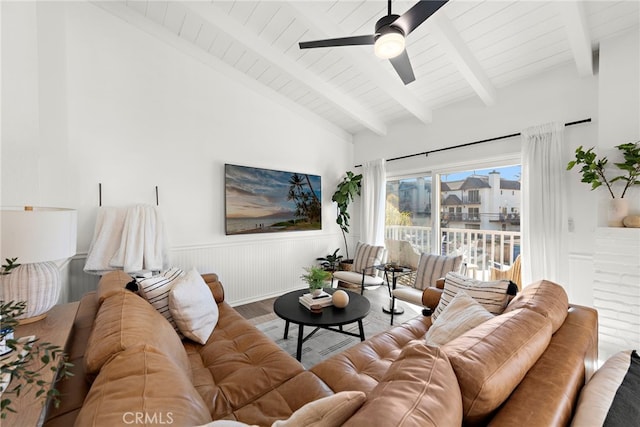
<point x="419" y="13"/>
<point x="402" y="66"/>
<point x="343" y="41"/>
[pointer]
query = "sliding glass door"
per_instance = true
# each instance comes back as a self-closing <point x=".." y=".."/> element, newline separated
<point x="473" y="213"/>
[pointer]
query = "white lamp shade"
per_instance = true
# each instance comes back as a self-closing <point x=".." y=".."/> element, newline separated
<point x="38" y="235"/>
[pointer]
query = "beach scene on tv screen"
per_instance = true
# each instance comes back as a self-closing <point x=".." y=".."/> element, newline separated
<point x="266" y="201"/>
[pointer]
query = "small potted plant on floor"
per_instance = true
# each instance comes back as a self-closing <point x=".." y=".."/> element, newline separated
<point x="331" y="262"/>
<point x="316" y="278"/>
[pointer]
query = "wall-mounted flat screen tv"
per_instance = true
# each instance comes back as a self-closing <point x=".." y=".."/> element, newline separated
<point x="266" y="201"/>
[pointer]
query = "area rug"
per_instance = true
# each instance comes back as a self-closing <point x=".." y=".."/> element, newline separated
<point x="323" y="344"/>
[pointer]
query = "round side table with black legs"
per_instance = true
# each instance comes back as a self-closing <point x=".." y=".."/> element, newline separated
<point x="396" y="272"/>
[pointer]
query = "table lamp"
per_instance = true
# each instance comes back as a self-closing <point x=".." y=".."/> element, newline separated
<point x="37" y="237"/>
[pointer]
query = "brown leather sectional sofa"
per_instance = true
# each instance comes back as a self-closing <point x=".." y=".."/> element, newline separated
<point x="524" y="367"/>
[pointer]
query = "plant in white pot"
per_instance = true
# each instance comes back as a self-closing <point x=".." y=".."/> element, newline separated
<point x="593" y="172"/>
<point x="316" y="277"/>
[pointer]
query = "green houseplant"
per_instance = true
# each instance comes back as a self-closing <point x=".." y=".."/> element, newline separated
<point x="593" y="168"/>
<point x="27" y="359"/>
<point x="594" y="173"/>
<point x="330" y="262"/>
<point x="315" y="277"/>
<point x="346" y="191"/>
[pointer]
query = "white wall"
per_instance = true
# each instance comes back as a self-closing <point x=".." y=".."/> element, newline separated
<point x="619" y="109"/>
<point x="90" y="99"/>
<point x="557" y="95"/>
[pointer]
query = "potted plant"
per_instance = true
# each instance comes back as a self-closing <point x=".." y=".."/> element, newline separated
<point x="331" y="262"/>
<point x="346" y="192"/>
<point x="19" y="367"/>
<point x="316" y="277"/>
<point x="593" y="172"/>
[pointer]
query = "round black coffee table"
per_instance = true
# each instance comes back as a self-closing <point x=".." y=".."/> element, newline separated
<point x="289" y="308"/>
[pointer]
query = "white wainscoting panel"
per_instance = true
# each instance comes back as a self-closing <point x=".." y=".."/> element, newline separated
<point x="250" y="270"/>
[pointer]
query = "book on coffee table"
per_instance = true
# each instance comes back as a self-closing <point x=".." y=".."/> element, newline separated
<point x="323" y="300"/>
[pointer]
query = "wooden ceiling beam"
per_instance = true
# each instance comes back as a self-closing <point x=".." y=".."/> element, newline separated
<point x="288" y="66"/>
<point x="574" y="18"/>
<point x="460" y="55"/>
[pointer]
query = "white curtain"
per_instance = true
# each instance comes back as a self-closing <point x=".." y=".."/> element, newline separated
<point x="544" y="218"/>
<point x="374" y="183"/>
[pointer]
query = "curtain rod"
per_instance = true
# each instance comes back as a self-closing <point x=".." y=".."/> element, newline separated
<point x="426" y="153"/>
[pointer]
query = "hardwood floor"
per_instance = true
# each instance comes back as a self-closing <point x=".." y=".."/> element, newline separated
<point x="260" y="311"/>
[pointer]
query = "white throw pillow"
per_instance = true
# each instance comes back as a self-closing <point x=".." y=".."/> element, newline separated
<point x="491" y="295"/>
<point x="193" y="307"/>
<point x="155" y="290"/>
<point x="330" y="411"/>
<point x="461" y="315"/>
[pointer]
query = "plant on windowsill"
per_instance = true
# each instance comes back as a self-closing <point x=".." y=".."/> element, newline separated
<point x="346" y="192"/>
<point x="19" y="370"/>
<point x="594" y="173"/>
<point x="316" y="278"/>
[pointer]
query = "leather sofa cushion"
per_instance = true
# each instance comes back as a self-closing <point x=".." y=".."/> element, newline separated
<point x="126" y="320"/>
<point x="556" y="379"/>
<point x="362" y="366"/>
<point x="544" y="297"/>
<point x="238" y="364"/>
<point x="420" y="389"/>
<point x="491" y="359"/>
<point x="112" y="283"/>
<point x="141" y="383"/>
<point x="281" y="402"/>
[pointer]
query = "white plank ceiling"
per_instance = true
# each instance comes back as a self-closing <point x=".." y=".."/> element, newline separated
<point x="466" y="49"/>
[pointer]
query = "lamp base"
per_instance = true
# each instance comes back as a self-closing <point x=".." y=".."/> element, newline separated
<point x="37" y="284"/>
<point x="33" y="319"/>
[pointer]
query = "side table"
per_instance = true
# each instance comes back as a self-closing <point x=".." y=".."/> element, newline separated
<point x="396" y="272"/>
<point x="56" y="329"/>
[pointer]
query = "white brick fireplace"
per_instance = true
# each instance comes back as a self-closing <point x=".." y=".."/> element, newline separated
<point x="616" y="289"/>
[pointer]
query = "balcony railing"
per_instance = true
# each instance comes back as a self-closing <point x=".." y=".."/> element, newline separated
<point x="461" y="217"/>
<point x="476" y="217"/>
<point x="480" y="249"/>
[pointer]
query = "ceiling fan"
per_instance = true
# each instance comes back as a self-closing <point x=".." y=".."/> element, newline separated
<point x="389" y="37"/>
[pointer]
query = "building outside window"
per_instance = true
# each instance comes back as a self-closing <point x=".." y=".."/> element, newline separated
<point x="478" y="215"/>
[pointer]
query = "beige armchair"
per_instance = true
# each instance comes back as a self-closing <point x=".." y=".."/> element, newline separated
<point x="430" y="269"/>
<point x="512" y="273"/>
<point x="364" y="272"/>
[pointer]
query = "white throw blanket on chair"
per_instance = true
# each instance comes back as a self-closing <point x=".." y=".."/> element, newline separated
<point x="129" y="239"/>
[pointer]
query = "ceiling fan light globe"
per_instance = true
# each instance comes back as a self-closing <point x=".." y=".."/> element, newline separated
<point x="389" y="45"/>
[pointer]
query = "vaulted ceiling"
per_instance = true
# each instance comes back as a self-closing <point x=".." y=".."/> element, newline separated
<point x="466" y="49"/>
